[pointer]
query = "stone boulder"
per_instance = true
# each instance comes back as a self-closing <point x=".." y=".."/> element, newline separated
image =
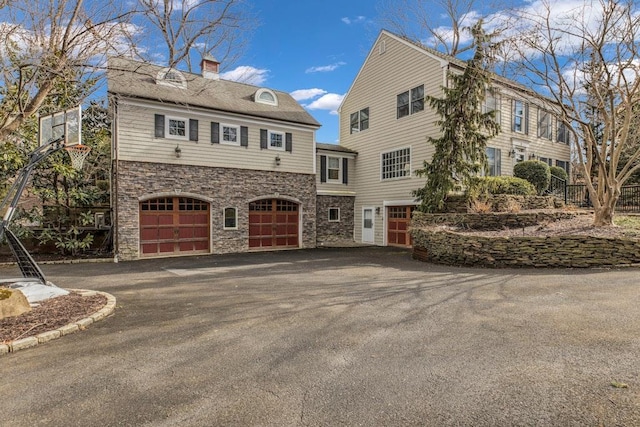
<point x="12" y="303"/>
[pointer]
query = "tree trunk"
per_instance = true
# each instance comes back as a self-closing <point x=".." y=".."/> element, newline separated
<point x="603" y="216"/>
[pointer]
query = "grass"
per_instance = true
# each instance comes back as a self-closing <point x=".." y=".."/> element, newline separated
<point x="628" y="222"/>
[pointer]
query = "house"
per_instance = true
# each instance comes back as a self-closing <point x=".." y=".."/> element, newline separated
<point x="336" y="194"/>
<point x="384" y="118"/>
<point x="204" y="165"/>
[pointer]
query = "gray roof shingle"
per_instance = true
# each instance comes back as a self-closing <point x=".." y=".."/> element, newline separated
<point x="138" y="79"/>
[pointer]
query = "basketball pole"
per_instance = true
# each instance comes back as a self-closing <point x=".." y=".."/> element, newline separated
<point x="26" y="263"/>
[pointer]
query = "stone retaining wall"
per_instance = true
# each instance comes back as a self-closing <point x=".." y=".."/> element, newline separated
<point x="491" y="221"/>
<point x="448" y="247"/>
<point x="445" y="247"/>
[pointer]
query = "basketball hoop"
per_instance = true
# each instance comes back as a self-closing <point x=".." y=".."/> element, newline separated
<point x="78" y="153"/>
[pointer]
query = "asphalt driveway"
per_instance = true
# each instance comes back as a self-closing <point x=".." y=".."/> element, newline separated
<point x="353" y="337"/>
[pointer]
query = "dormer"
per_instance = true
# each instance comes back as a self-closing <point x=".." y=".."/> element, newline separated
<point x="171" y="77"/>
<point x="266" y="96"/>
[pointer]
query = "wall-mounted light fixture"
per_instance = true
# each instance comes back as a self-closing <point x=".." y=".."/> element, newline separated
<point x="178" y="151"/>
<point x="512" y="153"/>
<point x="532" y="156"/>
<point x="378" y="210"/>
<point x="277" y="160"/>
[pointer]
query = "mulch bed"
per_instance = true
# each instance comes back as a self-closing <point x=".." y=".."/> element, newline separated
<point x="50" y="315"/>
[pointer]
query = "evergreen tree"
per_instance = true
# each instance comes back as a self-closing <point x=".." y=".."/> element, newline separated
<point x="461" y="149"/>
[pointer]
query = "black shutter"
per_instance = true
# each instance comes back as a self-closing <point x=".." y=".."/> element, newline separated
<point x="159" y="126"/>
<point x="244" y="136"/>
<point x="513" y="115"/>
<point x="263" y="138"/>
<point x="323" y="168"/>
<point x="526" y="119"/>
<point x="345" y="170"/>
<point x="193" y="130"/>
<point x="288" y="142"/>
<point x="215" y="133"/>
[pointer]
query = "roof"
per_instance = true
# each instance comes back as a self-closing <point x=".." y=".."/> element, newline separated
<point x="334" y="147"/>
<point x="136" y="79"/>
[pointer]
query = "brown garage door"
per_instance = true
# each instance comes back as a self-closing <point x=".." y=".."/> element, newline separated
<point x="174" y="226"/>
<point x="273" y="224"/>
<point x="398" y="219"/>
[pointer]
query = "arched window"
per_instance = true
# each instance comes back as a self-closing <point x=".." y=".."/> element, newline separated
<point x="266" y="96"/>
<point x="171" y="77"/>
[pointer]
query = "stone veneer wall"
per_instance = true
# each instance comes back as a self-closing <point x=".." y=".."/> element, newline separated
<point x="334" y="232"/>
<point x="223" y="187"/>
<point x="447" y="247"/>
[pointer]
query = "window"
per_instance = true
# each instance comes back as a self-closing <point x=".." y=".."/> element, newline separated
<point x="171" y="77"/>
<point x="230" y="134"/>
<point x="564" y="165"/>
<point x="230" y="218"/>
<point x="544" y="124"/>
<point x="266" y="96"/>
<point x="547" y="161"/>
<point x="563" y="133"/>
<point x="176" y="128"/>
<point x="276" y="140"/>
<point x="410" y="102"/>
<point x="360" y="120"/>
<point x="492" y="103"/>
<point x="494" y="162"/>
<point x="333" y="169"/>
<point x="396" y="164"/>
<point x="520" y="117"/>
<point x="334" y="214"/>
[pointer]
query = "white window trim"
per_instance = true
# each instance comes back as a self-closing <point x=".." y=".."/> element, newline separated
<point x="236" y="127"/>
<point x="339" y="179"/>
<point x="407" y="176"/>
<point x="181" y="83"/>
<point x="284" y="142"/>
<point x="523" y="116"/>
<point x="224" y="222"/>
<point x="329" y="215"/>
<point x="259" y="100"/>
<point x="168" y="135"/>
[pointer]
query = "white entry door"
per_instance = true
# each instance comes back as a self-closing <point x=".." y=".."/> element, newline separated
<point x="367" y="225"/>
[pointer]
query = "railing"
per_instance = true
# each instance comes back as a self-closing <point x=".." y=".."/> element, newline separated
<point x="578" y="195"/>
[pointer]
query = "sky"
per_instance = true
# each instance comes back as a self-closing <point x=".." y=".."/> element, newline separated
<point x="312" y="49"/>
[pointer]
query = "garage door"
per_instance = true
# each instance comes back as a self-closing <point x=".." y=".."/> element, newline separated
<point x="273" y="224"/>
<point x="174" y="226"/>
<point x="398" y="220"/>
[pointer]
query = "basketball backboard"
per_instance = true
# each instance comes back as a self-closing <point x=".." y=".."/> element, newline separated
<point x="66" y="123"/>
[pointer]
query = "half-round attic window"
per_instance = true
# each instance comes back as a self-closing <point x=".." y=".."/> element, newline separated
<point x="171" y="77"/>
<point x="266" y="96"/>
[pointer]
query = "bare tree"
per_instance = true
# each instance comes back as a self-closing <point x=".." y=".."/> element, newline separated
<point x="588" y="59"/>
<point x="51" y="46"/>
<point x="440" y="24"/>
<point x="217" y="27"/>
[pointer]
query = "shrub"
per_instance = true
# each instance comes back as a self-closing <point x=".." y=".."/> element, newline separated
<point x="500" y="185"/>
<point x="559" y="172"/>
<point x="534" y="171"/>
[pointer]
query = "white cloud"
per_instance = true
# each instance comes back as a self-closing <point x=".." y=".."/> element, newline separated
<point x="304" y="94"/>
<point x="324" y="68"/>
<point x="329" y="101"/>
<point x="357" y="20"/>
<point x="246" y="74"/>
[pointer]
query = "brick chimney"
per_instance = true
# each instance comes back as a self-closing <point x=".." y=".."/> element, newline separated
<point x="210" y="67"/>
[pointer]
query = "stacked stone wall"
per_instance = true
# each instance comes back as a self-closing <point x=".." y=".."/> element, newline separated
<point x="331" y="232"/>
<point x="222" y="187"/>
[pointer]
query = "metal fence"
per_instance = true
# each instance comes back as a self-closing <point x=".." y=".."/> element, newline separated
<point x="578" y="195"/>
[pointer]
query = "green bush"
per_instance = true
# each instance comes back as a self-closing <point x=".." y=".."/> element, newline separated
<point x="559" y="172"/>
<point x="500" y="185"/>
<point x="534" y="171"/>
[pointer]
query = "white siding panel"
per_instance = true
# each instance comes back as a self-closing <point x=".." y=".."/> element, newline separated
<point x="136" y="141"/>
